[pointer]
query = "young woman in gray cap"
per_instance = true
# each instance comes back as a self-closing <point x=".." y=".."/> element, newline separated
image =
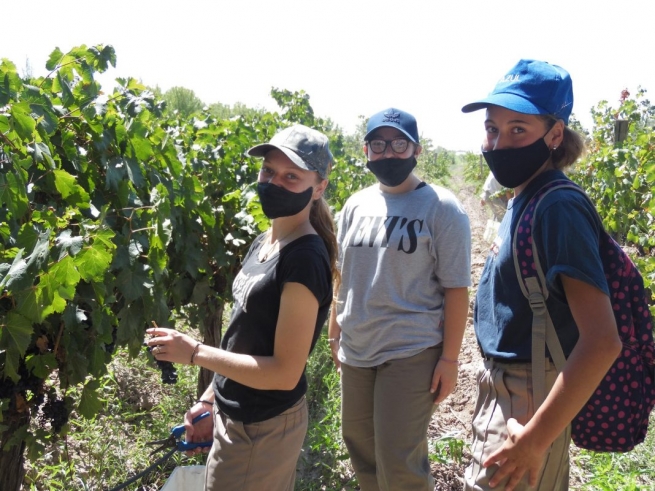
<point x="519" y="444"/>
<point x="281" y="299"/>
<point x="397" y="325"/>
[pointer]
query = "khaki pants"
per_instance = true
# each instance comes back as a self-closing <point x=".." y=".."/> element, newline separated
<point x="257" y="456"/>
<point x="504" y="391"/>
<point x="385" y="414"/>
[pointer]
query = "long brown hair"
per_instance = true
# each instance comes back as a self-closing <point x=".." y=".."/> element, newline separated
<point x="321" y="219"/>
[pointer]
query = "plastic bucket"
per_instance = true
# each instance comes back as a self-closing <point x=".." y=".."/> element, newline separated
<point x="186" y="478"/>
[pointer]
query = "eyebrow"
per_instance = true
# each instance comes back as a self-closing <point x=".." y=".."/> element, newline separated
<point x="513" y="121"/>
<point x="285" y="167"/>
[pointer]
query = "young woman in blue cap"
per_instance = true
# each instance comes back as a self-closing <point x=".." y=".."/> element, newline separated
<point x="527" y="144"/>
<point x="396" y="327"/>
<point x="281" y="300"/>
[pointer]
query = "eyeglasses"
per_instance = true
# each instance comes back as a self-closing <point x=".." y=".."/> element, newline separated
<point x="398" y="145"/>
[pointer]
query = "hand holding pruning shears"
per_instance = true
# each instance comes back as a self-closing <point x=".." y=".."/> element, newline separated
<point x="173" y="441"/>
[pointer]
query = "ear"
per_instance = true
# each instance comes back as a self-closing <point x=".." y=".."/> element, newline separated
<point x="319" y="189"/>
<point x="365" y="149"/>
<point x="418" y="150"/>
<point x="556" y="135"/>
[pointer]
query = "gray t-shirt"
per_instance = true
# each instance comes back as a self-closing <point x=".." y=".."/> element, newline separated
<point x="397" y="253"/>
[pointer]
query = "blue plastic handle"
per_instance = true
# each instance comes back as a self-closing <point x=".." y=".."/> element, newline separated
<point x="179" y="430"/>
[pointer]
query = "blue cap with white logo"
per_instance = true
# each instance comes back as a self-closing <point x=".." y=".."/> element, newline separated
<point x="394" y="118"/>
<point x="532" y="87"/>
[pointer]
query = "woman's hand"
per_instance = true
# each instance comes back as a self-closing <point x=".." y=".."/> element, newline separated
<point x="334" y="351"/>
<point x="202" y="431"/>
<point x="444" y="379"/>
<point x="516" y="457"/>
<point x="170" y="345"/>
<point x="334" y="336"/>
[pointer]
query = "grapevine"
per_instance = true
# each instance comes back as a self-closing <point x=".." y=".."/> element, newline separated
<point x="115" y="212"/>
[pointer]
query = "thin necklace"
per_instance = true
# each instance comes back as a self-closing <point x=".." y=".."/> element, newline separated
<point x="277" y="241"/>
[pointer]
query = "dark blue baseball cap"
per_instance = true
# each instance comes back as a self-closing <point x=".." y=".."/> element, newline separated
<point x="532" y="87"/>
<point x="394" y="118"/>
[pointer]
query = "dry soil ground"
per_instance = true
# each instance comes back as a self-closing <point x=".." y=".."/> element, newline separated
<point x="453" y="417"/>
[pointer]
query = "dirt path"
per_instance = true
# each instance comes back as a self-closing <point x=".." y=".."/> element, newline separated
<point x="453" y="417"/>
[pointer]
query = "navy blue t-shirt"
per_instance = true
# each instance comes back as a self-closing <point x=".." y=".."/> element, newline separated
<point x="567" y="233"/>
<point x="257" y="290"/>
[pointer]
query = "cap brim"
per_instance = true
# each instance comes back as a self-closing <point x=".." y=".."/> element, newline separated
<point x="411" y="138"/>
<point x="262" y="149"/>
<point x="509" y="101"/>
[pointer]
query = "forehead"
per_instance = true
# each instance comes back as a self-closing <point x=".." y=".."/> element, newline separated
<point x="499" y="115"/>
<point x="387" y="133"/>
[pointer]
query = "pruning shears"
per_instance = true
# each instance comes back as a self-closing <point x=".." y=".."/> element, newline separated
<point x="174" y="442"/>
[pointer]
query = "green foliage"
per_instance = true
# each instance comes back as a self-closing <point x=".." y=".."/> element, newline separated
<point x="225" y="111"/>
<point x="116" y="213"/>
<point x="448" y="449"/>
<point x="630" y="471"/>
<point x="183" y="101"/>
<point x="475" y="170"/>
<point x="619" y="176"/>
<point x="106" y="450"/>
<point x="324" y="449"/>
<point x="434" y="164"/>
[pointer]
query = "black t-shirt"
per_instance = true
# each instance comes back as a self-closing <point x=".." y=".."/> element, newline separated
<point x="257" y="290"/>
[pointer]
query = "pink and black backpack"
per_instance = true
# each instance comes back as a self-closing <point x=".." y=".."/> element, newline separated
<point x="615" y="418"/>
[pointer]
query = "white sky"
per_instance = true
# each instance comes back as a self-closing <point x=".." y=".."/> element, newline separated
<point x="353" y="57"/>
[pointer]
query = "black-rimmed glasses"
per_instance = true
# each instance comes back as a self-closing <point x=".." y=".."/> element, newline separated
<point x="398" y="145"/>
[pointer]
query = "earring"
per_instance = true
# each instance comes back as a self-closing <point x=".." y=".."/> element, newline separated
<point x="554" y="148"/>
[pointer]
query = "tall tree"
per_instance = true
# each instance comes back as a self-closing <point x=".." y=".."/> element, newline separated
<point x="183" y="100"/>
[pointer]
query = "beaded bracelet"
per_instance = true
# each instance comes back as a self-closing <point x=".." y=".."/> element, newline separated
<point x="195" y="352"/>
<point x="333" y="340"/>
<point x="203" y="401"/>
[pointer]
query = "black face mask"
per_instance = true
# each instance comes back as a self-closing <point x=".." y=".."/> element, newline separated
<point x="279" y="202"/>
<point x="513" y="166"/>
<point x="392" y="172"/>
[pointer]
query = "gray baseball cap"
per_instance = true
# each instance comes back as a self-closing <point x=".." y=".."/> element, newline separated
<point x="306" y="147"/>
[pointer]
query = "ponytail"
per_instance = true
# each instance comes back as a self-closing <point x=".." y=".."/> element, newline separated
<point x="571" y="148"/>
<point x="321" y="219"/>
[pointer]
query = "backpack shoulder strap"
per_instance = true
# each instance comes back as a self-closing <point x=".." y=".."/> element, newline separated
<point x="533" y="285"/>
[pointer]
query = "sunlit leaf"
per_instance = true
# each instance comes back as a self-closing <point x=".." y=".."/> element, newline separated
<point x="93" y="262"/>
<point x="54" y="59"/>
<point x="23" y="121"/>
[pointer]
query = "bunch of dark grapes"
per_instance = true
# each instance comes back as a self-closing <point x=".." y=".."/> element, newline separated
<point x="111" y="347"/>
<point x="28" y="382"/>
<point x="168" y="372"/>
<point x="55" y="410"/>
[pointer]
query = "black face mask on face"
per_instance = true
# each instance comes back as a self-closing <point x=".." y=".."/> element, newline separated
<point x="513" y="166"/>
<point x="279" y="202"/>
<point x="392" y="172"/>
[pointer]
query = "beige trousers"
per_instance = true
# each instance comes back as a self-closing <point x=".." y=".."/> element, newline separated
<point x="385" y="414"/>
<point x="505" y="391"/>
<point x="257" y="456"/>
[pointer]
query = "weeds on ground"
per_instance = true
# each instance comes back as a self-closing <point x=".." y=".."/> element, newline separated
<point x="104" y="452"/>
<point x="630" y="471"/>
<point x="323" y="460"/>
<point x="107" y="450"/>
<point x="448" y="448"/>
